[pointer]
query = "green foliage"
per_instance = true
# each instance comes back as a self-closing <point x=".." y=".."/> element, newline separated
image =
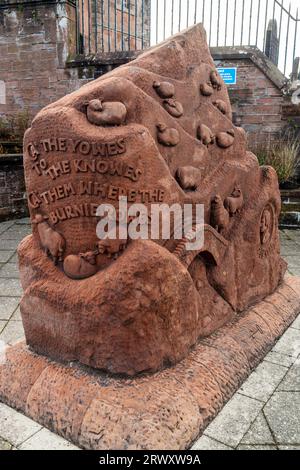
<point x="13" y="127"/>
<point x="282" y="154"/>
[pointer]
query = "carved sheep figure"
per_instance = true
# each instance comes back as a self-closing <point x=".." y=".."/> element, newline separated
<point x="226" y="139"/>
<point x="219" y="215"/>
<point x="221" y="106"/>
<point x="235" y="202"/>
<point x="206" y="89"/>
<point x="205" y="135"/>
<point x="53" y="242"/>
<point x="164" y="89"/>
<point x="173" y="107"/>
<point x="106" y="114"/>
<point x="167" y="135"/>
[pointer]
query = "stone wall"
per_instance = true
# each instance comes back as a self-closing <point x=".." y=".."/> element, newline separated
<point x="12" y="187"/>
<point x="36" y="40"/>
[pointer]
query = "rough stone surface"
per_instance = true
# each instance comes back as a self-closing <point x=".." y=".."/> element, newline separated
<point x="259" y="433"/>
<point x="166" y="410"/>
<point x="267" y="373"/>
<point x="282" y="413"/>
<point x="117" y="305"/>
<point x="21" y="427"/>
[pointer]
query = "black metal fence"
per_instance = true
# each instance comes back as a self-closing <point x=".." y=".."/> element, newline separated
<point x="122" y="25"/>
<point x="112" y="25"/>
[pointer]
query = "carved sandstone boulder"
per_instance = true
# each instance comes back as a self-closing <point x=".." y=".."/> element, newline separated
<point x="157" y="130"/>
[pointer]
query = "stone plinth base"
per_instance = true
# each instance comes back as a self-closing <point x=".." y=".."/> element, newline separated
<point x="167" y="410"/>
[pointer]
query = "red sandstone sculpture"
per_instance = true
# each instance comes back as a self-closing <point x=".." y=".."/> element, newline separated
<point x="157" y="130"/>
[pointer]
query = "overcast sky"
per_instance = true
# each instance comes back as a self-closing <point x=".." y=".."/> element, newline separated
<point x="164" y="23"/>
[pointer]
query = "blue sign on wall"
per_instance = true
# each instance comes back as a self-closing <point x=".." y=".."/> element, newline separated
<point x="229" y="75"/>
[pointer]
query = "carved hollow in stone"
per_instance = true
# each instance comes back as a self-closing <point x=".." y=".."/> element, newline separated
<point x="216" y="80"/>
<point x="188" y="177"/>
<point x="52" y="242"/>
<point x="164" y="89"/>
<point x="81" y="266"/>
<point x="106" y="113"/>
<point x="111" y="247"/>
<point x="206" y="89"/>
<point x="225" y="139"/>
<point x="219" y="215"/>
<point x="205" y="135"/>
<point x="173" y="107"/>
<point x="267" y="224"/>
<point x="235" y="202"/>
<point x="167" y="136"/>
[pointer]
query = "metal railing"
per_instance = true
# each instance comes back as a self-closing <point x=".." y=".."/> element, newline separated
<point x="112" y="25"/>
<point x="122" y="25"/>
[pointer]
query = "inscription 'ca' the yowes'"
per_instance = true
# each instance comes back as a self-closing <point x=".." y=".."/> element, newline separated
<point x="61" y="144"/>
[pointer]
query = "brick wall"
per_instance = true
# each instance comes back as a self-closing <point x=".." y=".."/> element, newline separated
<point x="257" y="98"/>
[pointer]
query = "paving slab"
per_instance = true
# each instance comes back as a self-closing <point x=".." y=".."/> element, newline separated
<point x="16" y="232"/>
<point x="247" y="447"/>
<point x="12" y="332"/>
<point x="263" y="381"/>
<point x="282" y="413"/>
<point x="10" y="288"/>
<point x="280" y="359"/>
<point x="15" y="427"/>
<point x="207" y="443"/>
<point x="23" y="221"/>
<point x="8" y="305"/>
<point x="17" y="315"/>
<point x="289" y="343"/>
<point x="8" y="244"/>
<point x="46" y="440"/>
<point x="259" y="433"/>
<point x="5" y="225"/>
<point x="234" y="420"/>
<point x="9" y="271"/>
<point x="291" y="382"/>
<point x="4" y="445"/>
<point x="289" y="447"/>
<point x="5" y="255"/>
<point x="3" y="323"/>
<point x="14" y="258"/>
<point x="296" y="323"/>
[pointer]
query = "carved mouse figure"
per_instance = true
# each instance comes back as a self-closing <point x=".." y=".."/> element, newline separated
<point x="106" y="113"/>
<point x="219" y="215"/>
<point x="53" y="242"/>
<point x="167" y="136"/>
<point x="164" y="89"/>
<point x="216" y="80"/>
<point x="235" y="202"/>
<point x="206" y="89"/>
<point x="173" y="107"/>
<point x="81" y="266"/>
<point x="205" y="135"/>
